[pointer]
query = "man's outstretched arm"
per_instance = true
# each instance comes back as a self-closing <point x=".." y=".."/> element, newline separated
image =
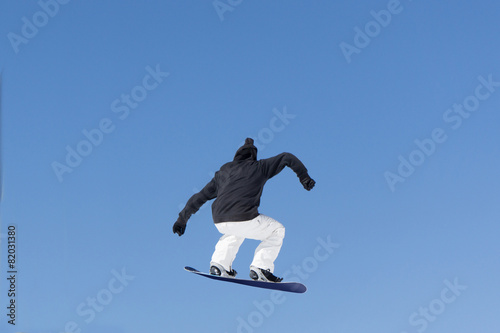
<point x="272" y="166"/>
<point x="194" y="203"/>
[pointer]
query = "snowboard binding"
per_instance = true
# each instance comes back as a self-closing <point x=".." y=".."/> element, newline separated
<point x="259" y="274"/>
<point x="216" y="269"/>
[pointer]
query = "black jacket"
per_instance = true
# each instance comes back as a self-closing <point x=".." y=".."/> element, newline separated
<point x="237" y="186"/>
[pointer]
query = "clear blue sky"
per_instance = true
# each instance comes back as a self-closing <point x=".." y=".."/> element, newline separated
<point x="115" y="112"/>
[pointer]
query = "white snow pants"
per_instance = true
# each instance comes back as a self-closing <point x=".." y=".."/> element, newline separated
<point x="269" y="231"/>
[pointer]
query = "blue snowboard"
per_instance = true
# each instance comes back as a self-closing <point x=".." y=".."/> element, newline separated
<point x="293" y="287"/>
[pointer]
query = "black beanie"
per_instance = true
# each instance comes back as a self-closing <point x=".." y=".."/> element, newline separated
<point x="247" y="151"/>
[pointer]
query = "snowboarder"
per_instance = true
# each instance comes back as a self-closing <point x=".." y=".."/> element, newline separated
<point x="237" y="188"/>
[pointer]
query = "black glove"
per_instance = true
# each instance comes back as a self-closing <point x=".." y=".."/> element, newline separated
<point x="179" y="227"/>
<point x="307" y="182"/>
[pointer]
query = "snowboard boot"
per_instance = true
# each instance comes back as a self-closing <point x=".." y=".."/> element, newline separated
<point x="263" y="275"/>
<point x="216" y="269"/>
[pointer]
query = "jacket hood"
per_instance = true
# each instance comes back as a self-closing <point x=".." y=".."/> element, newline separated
<point x="246" y="152"/>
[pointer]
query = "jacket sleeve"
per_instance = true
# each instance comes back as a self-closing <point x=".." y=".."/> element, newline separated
<point x="272" y="166"/>
<point x="194" y="203"/>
